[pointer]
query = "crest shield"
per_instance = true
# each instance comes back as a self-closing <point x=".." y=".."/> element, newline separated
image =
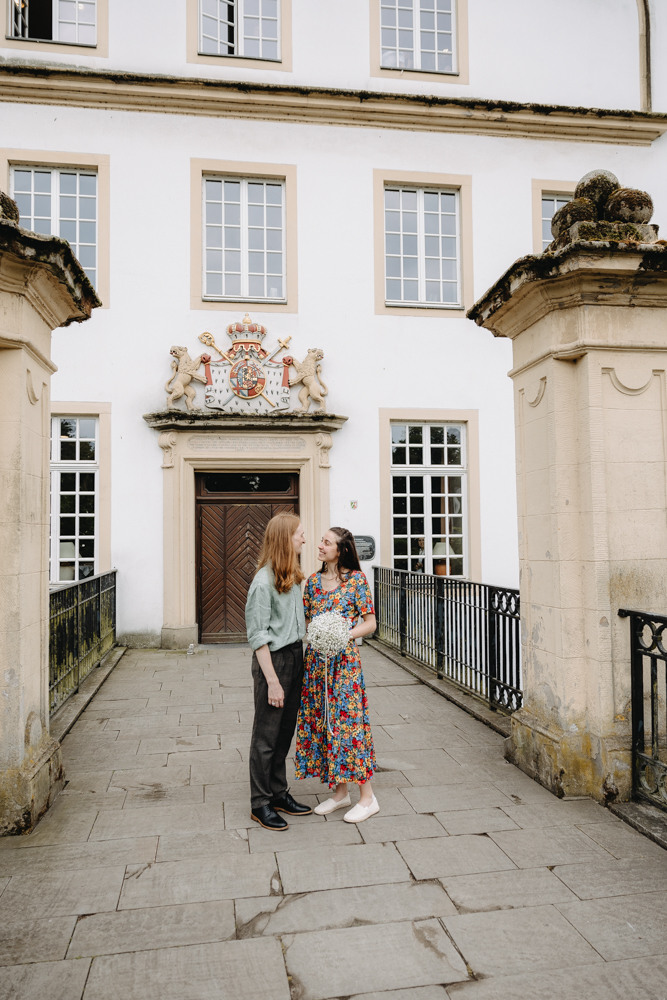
<point x="248" y="379"/>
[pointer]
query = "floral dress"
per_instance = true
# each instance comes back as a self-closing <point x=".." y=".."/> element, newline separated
<point x="342" y="751"/>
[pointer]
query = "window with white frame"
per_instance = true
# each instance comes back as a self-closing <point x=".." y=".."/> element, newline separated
<point x="244" y="238"/>
<point x="247" y="28"/>
<point x="422" y="246"/>
<point x="429" y="504"/>
<point x="61" y="202"/>
<point x="74" y="497"/>
<point x="550" y="205"/>
<point x="73" y="22"/>
<point x="418" y="34"/>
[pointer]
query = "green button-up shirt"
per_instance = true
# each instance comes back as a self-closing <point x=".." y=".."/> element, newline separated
<point x="271" y="618"/>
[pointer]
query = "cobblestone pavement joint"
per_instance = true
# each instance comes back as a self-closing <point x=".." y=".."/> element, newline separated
<point x="147" y="878"/>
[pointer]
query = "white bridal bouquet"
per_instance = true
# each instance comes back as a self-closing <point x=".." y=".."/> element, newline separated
<point x="329" y="633"/>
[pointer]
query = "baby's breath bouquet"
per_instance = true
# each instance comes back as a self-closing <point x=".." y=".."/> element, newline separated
<point x="329" y="634"/>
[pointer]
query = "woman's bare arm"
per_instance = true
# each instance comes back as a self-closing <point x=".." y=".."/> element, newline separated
<point x="366" y="627"/>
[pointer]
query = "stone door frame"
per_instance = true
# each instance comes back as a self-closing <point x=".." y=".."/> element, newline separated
<point x="300" y="445"/>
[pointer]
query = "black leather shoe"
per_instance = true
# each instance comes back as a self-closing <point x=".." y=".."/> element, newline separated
<point x="286" y="804"/>
<point x="267" y="817"/>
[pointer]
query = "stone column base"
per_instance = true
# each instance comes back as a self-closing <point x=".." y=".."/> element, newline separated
<point x="179" y="636"/>
<point x="572" y="763"/>
<point x="27" y="792"/>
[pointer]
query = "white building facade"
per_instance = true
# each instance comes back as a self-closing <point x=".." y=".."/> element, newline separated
<point x="352" y="176"/>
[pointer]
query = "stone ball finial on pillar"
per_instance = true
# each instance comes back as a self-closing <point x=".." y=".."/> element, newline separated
<point x="602" y="210"/>
<point x="629" y="205"/>
<point x="597" y="186"/>
<point x="579" y="210"/>
<point x="8" y="208"/>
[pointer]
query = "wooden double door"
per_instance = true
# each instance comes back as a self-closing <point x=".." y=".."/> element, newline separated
<point x="233" y="510"/>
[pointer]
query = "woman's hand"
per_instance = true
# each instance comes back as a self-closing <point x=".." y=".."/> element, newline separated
<point x="276" y="694"/>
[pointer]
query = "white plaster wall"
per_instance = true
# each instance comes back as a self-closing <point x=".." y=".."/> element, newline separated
<point x="371" y="361"/>
<point x="576" y="52"/>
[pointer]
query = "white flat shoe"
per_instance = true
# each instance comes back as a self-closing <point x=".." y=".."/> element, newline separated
<point x="330" y="805"/>
<point x="359" y="813"/>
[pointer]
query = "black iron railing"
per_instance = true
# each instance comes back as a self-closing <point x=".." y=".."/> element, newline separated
<point x="466" y="632"/>
<point x="82" y="628"/>
<point x="648" y="680"/>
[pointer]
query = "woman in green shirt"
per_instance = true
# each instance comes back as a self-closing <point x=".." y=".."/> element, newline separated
<point x="276" y="625"/>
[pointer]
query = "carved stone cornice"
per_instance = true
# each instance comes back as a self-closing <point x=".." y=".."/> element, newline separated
<point x="583" y="273"/>
<point x="113" y="90"/>
<point x="45" y="270"/>
<point x="304" y="423"/>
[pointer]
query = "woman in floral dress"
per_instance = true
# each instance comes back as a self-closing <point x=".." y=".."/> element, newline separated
<point x="336" y="745"/>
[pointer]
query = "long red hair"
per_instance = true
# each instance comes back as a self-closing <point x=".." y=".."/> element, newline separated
<point x="278" y="552"/>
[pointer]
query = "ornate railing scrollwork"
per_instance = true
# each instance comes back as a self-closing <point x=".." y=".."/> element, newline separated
<point x="649" y="735"/>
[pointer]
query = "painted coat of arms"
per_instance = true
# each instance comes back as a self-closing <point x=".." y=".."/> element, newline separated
<point x="246" y="378"/>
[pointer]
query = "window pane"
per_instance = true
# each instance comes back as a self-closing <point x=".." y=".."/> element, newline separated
<point x="427" y="263"/>
<point x="253" y="222"/>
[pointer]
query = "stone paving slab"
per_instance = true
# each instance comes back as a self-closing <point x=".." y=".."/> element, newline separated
<point x="183" y="847"/>
<point x="622" y="926"/>
<point x="505" y="890"/>
<point x="339" y="963"/>
<point x="235" y="970"/>
<point x="23" y="941"/>
<point x="393" y="828"/>
<point x="157" y="820"/>
<point x="227" y="876"/>
<point x="374" y="904"/>
<point x="183" y="744"/>
<point x="139" y="798"/>
<point x="449" y="798"/>
<point x="76" y="857"/>
<point x="622" y="841"/>
<point x="157" y="927"/>
<point x="464" y="855"/>
<point x="141" y="777"/>
<point x="55" y="980"/>
<point x="340" y="867"/>
<point x="562" y="845"/>
<point x="60" y="894"/>
<point x="559" y="813"/>
<point x="506" y="942"/>
<point x="476" y="820"/>
<point x="615" y="878"/>
<point x="636" y="979"/>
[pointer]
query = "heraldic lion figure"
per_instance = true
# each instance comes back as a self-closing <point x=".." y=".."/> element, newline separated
<point x="308" y="371"/>
<point x="184" y="370"/>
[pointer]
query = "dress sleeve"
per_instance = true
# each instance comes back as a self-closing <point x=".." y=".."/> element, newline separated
<point x="363" y="600"/>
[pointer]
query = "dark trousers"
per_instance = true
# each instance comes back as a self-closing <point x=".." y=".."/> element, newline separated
<point x="273" y="728"/>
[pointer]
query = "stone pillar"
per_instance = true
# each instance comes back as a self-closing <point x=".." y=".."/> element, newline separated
<point x="42" y="286"/>
<point x="588" y="323"/>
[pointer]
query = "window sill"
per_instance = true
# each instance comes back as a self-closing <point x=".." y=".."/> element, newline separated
<point x="52" y="41"/>
<point x="424" y="305"/>
<point x="425" y="72"/>
<point x="237" y="298"/>
<point x="225" y="55"/>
